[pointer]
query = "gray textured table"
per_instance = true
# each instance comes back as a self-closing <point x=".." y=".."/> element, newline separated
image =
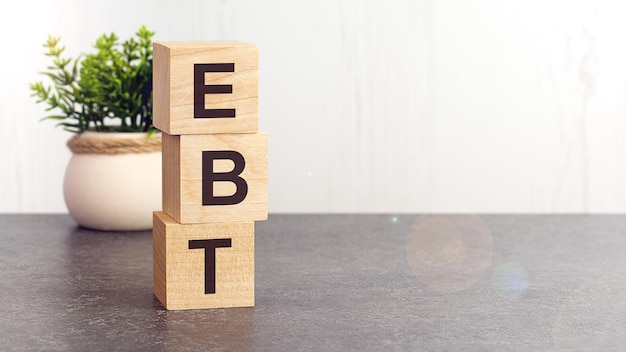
<point x="330" y="282"/>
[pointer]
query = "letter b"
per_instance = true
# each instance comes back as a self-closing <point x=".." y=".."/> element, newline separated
<point x="209" y="177"/>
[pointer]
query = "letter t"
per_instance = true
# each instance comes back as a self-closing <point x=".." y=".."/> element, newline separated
<point x="209" y="259"/>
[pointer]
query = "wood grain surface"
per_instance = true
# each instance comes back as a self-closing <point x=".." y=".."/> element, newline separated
<point x="174" y="90"/>
<point x="179" y="272"/>
<point x="183" y="178"/>
<point x="423" y="106"/>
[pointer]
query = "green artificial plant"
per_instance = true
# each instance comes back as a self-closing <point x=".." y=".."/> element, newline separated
<point x="106" y="91"/>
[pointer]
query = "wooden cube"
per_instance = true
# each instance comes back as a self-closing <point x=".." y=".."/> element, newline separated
<point x="215" y="177"/>
<point x="203" y="265"/>
<point x="205" y="87"/>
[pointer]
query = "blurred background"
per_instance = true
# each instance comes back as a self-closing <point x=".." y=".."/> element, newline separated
<point x="397" y="106"/>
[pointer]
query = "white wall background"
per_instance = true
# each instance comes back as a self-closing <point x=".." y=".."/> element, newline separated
<point x="372" y="106"/>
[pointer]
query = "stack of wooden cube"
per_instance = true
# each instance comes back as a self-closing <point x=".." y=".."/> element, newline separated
<point x="214" y="173"/>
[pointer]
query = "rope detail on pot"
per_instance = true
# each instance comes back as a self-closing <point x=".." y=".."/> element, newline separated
<point x="80" y="145"/>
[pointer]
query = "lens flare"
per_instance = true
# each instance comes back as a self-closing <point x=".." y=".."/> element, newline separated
<point x="510" y="280"/>
<point x="593" y="317"/>
<point x="449" y="253"/>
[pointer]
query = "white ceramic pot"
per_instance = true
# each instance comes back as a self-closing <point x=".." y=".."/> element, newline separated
<point x="113" y="192"/>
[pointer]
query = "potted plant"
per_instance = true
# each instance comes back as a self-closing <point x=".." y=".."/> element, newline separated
<point x="113" y="180"/>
